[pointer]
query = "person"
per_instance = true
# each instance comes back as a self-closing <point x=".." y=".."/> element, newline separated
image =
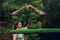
<point x="18" y="26"/>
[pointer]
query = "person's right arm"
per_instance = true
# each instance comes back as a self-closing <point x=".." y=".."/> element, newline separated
<point x="14" y="36"/>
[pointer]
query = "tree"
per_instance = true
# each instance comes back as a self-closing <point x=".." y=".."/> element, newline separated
<point x="24" y="15"/>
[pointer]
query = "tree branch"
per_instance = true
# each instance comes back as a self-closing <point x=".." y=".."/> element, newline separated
<point x="17" y="11"/>
<point x="37" y="10"/>
<point x="27" y="7"/>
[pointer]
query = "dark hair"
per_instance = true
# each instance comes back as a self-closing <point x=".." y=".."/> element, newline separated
<point x="16" y="24"/>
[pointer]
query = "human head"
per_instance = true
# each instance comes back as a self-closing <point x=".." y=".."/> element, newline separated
<point x="17" y="25"/>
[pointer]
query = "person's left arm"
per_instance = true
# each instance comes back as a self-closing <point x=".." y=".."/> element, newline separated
<point x="29" y="24"/>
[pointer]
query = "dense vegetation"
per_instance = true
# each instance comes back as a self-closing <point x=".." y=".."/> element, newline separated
<point x="51" y="8"/>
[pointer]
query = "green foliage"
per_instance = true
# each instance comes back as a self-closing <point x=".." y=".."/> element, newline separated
<point x="16" y="4"/>
<point x="51" y="7"/>
<point x="11" y="5"/>
<point x="24" y="15"/>
<point x="37" y="25"/>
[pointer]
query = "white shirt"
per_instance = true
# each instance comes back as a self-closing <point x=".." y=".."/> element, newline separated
<point x="20" y="36"/>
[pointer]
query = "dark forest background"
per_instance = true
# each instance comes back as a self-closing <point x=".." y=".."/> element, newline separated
<point x="50" y="20"/>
